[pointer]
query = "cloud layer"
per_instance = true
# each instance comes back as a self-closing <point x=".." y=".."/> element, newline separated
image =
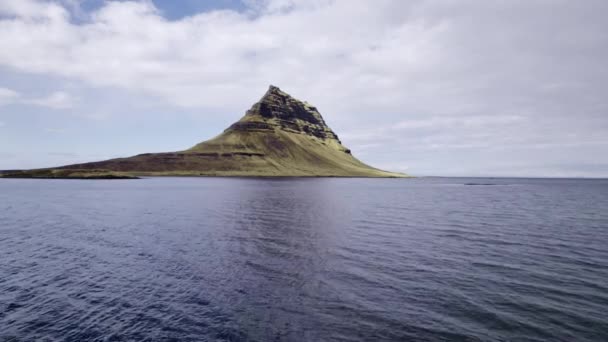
<point x="410" y="84"/>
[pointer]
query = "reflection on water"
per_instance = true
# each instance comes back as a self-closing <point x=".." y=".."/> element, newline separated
<point x="303" y="259"/>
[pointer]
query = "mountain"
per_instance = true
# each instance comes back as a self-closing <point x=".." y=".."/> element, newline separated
<point x="278" y="136"/>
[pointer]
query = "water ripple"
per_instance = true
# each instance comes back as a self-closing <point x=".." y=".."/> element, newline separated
<point x="167" y="259"/>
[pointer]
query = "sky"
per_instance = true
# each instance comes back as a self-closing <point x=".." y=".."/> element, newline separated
<point x="427" y="87"/>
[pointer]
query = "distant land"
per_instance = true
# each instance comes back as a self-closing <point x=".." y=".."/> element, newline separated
<point x="279" y="136"/>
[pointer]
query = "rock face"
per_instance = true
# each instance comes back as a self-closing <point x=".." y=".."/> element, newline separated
<point x="279" y="110"/>
<point x="278" y="136"/>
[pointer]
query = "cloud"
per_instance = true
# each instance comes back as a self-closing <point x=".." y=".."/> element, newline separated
<point x="8" y="96"/>
<point x="56" y="100"/>
<point x="207" y="58"/>
<point x="445" y="133"/>
<point x="2" y="124"/>
<point x="55" y="130"/>
<point x="468" y="121"/>
<point x="211" y="58"/>
<point x="400" y="57"/>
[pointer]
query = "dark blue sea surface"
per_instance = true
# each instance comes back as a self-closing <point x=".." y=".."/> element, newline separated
<point x="321" y="259"/>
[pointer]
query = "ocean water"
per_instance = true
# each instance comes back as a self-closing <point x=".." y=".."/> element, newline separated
<point x="220" y="259"/>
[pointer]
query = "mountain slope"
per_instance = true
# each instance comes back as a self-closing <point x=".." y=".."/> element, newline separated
<point x="278" y="136"/>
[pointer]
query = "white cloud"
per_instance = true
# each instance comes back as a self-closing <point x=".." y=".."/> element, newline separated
<point x="2" y="124"/>
<point x="8" y="96"/>
<point x="345" y="56"/>
<point x="211" y="58"/>
<point x="55" y="130"/>
<point x="56" y="100"/>
<point x="32" y="10"/>
<point x="452" y="122"/>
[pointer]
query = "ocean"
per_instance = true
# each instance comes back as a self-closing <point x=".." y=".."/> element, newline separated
<point x="305" y="259"/>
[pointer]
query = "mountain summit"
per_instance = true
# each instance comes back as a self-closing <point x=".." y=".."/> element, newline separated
<point x="278" y="136"/>
<point x="279" y="109"/>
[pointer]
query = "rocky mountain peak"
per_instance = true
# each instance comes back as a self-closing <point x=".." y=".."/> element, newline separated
<point x="279" y="109"/>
